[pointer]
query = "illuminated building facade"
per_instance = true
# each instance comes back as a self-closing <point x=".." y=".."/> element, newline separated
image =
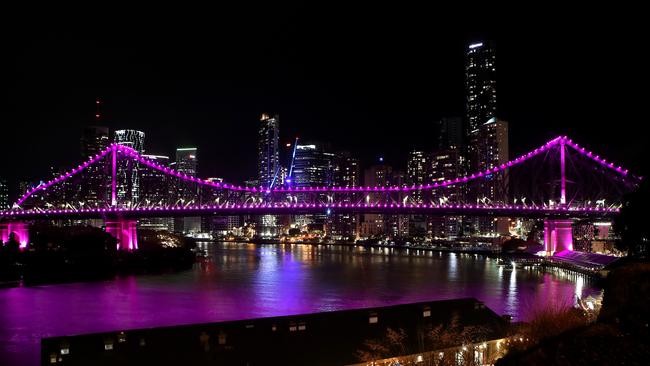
<point x="268" y="163"/>
<point x="4" y="195"/>
<point x="155" y="190"/>
<point x="444" y="165"/>
<point x="268" y="151"/>
<point x="128" y="177"/>
<point x="94" y="192"/>
<point x="347" y="173"/>
<point x="187" y="163"/>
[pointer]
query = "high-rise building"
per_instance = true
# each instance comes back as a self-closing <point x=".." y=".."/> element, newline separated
<point x="93" y="141"/>
<point x="187" y="163"/>
<point x="480" y="96"/>
<point x="268" y="167"/>
<point x="155" y="191"/>
<point x="128" y="177"/>
<point x="445" y="165"/>
<point x="493" y="151"/>
<point x="480" y="84"/>
<point x="377" y="175"/>
<point x="187" y="160"/>
<point x="343" y="226"/>
<point x="417" y="172"/>
<point x="313" y="167"/>
<point x="4" y="195"/>
<point x="94" y="191"/>
<point x="131" y="138"/>
<point x="450" y="133"/>
<point x="268" y="150"/>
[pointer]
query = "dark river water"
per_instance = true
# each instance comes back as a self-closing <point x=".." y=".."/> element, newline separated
<point x="239" y="281"/>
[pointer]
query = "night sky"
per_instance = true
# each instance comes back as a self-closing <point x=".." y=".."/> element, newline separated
<point x="371" y="81"/>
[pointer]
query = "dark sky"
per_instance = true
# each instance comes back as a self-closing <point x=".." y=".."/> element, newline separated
<point x="372" y="81"/>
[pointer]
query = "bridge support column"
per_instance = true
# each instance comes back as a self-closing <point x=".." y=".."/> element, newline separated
<point x="20" y="231"/>
<point x="125" y="231"/>
<point x="558" y="235"/>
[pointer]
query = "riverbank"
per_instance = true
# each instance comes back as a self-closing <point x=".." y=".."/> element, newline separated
<point x="520" y="259"/>
<point x="465" y="250"/>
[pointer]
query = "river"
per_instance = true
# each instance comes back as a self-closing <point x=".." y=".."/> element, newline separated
<point x="239" y="280"/>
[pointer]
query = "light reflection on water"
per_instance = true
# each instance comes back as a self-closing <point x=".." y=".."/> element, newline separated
<point x="241" y="281"/>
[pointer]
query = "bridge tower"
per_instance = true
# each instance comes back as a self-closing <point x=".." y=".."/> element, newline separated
<point x="125" y="231"/>
<point x="558" y="234"/>
<point x="19" y="229"/>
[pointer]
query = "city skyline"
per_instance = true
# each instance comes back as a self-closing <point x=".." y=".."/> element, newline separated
<point x="337" y="83"/>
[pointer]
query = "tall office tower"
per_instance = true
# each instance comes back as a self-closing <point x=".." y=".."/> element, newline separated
<point x="155" y="192"/>
<point x="492" y="150"/>
<point x="187" y="160"/>
<point x="93" y="141"/>
<point x="128" y="177"/>
<point x="313" y="167"/>
<point x="480" y="107"/>
<point x="417" y="173"/>
<point x="450" y="133"/>
<point x="268" y="166"/>
<point x="187" y="163"/>
<point x="445" y="165"/>
<point x="131" y="138"/>
<point x="4" y="195"/>
<point x="480" y="85"/>
<point x="268" y="150"/>
<point x="374" y="225"/>
<point x="343" y="226"/>
<point x="94" y="192"/>
<point x="480" y="97"/>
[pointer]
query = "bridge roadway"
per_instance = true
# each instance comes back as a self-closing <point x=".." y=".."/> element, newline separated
<point x="296" y="209"/>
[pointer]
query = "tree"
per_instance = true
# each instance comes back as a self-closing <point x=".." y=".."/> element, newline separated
<point x="631" y="225"/>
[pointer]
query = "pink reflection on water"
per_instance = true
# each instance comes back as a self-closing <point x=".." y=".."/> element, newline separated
<point x="246" y="281"/>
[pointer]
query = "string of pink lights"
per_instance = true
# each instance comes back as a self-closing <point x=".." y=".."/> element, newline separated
<point x="561" y="140"/>
<point x="316" y="206"/>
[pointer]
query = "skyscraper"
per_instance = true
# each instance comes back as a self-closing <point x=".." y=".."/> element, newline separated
<point x="128" y="177"/>
<point x="445" y="165"/>
<point x="487" y="137"/>
<point x="451" y="133"/>
<point x="493" y="151"/>
<point x="343" y="226"/>
<point x="417" y="172"/>
<point x="268" y="166"/>
<point x="155" y="191"/>
<point x="313" y="167"/>
<point x="4" y="195"/>
<point x="480" y="95"/>
<point x="94" y="192"/>
<point x="93" y="141"/>
<point x="131" y="138"/>
<point x="377" y="175"/>
<point x="268" y="151"/>
<point x="187" y="163"/>
<point x="187" y="160"/>
<point x="480" y="85"/>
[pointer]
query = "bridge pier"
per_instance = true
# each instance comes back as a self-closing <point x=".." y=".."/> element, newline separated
<point x="125" y="231"/>
<point x="20" y="231"/>
<point x="558" y="235"/>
